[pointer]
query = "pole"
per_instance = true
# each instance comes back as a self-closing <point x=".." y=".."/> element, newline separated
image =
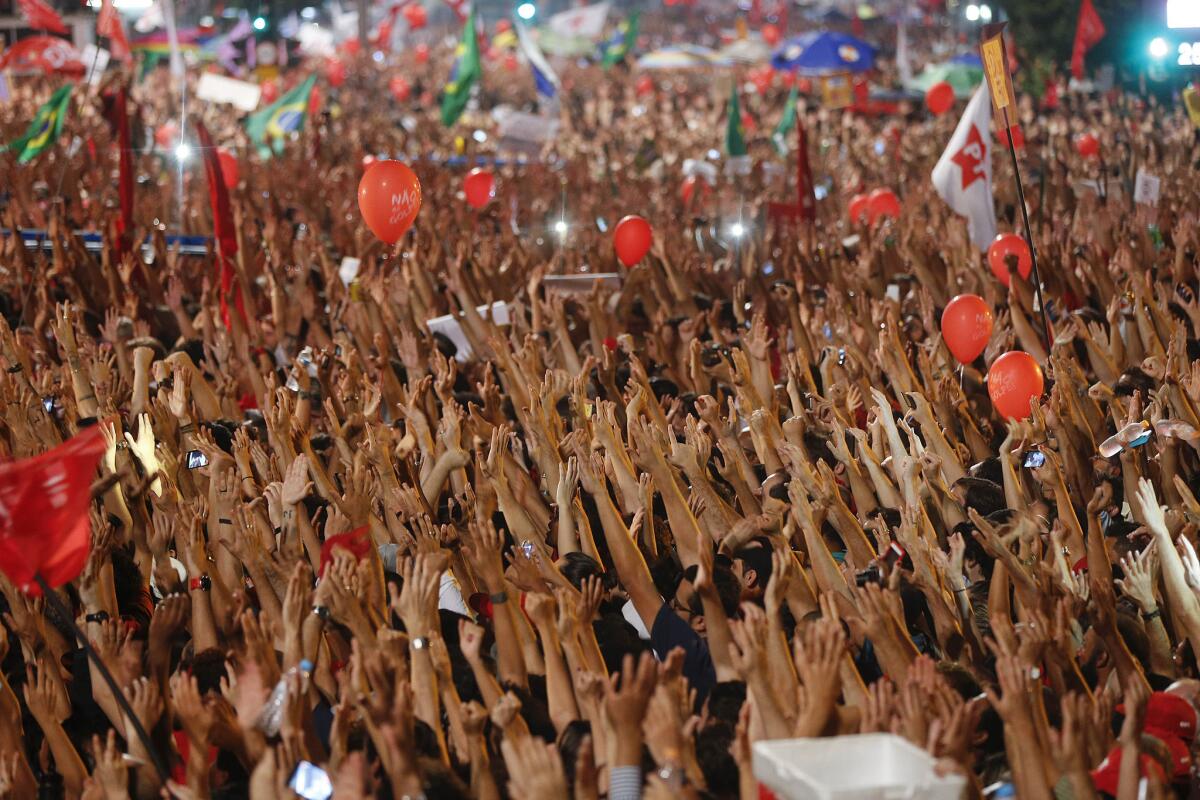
<point x="159" y="766"/>
<point x="1037" y="278"/>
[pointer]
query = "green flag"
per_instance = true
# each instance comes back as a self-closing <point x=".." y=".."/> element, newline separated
<point x="286" y="115"/>
<point x="786" y="123"/>
<point x="735" y="133"/>
<point x="621" y="44"/>
<point x="44" y="129"/>
<point x="466" y="71"/>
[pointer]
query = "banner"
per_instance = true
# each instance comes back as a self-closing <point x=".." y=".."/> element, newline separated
<point x="215" y="88"/>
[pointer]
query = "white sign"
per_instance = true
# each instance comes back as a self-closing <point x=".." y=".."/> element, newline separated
<point x="448" y="326"/>
<point x="97" y="61"/>
<point x="1146" y="188"/>
<point x="524" y="127"/>
<point x="348" y="270"/>
<point x="582" y="282"/>
<point x="242" y="95"/>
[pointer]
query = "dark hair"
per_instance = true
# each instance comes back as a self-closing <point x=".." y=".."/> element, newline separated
<point x="578" y="567"/>
<point x="570" y="742"/>
<point x="756" y="556"/>
<point x="725" y="701"/>
<point x="982" y="495"/>
<point x="1133" y="380"/>
<point x="208" y="668"/>
<point x="712" y="753"/>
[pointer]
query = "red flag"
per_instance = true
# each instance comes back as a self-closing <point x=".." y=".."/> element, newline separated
<point x="41" y="16"/>
<point x="44" y="500"/>
<point x="805" y="207"/>
<point x="223" y="230"/>
<point x="48" y="54"/>
<point x="1088" y="32"/>
<point x="116" y="110"/>
<point x="108" y="23"/>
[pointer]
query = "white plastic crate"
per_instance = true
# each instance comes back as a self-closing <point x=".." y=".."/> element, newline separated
<point x="874" y="766"/>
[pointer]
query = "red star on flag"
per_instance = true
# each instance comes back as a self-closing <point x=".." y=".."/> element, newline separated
<point x="970" y="158"/>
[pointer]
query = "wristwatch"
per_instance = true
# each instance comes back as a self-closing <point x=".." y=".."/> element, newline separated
<point x="203" y="583"/>
<point x="419" y="643"/>
<point x="322" y="612"/>
<point x="99" y="616"/>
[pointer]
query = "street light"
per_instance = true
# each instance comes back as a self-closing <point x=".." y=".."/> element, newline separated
<point x="985" y="12"/>
<point x="260" y="23"/>
<point x="183" y="151"/>
<point x="1158" y="47"/>
<point x="972" y="13"/>
<point x="526" y="10"/>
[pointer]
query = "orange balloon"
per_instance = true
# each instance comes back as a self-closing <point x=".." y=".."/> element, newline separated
<point x="389" y="197"/>
<point x="1014" y="379"/>
<point x="229" y="167"/>
<point x="857" y="209"/>
<point x="967" y="327"/>
<point x="883" y="203"/>
<point x="479" y="187"/>
<point x="632" y="239"/>
<point x="940" y="98"/>
<point x="1006" y="245"/>
<point x="770" y="34"/>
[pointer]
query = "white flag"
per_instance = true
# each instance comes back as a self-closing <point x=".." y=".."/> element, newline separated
<point x="587" y="21"/>
<point x="963" y="175"/>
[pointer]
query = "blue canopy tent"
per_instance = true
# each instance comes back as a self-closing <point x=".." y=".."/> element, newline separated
<point x="824" y="52"/>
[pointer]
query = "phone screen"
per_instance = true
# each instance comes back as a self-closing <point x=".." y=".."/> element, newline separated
<point x="196" y="459"/>
<point x="1034" y="458"/>
<point x="311" y="782"/>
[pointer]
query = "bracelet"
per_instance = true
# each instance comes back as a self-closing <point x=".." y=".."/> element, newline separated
<point x="85" y="398"/>
<point x="191" y="426"/>
<point x="99" y="616"/>
<point x="202" y="583"/>
<point x="321" y="611"/>
<point x="1155" y="614"/>
<point x="224" y="521"/>
<point x="960" y="591"/>
<point x="420" y="643"/>
<point x="122" y="445"/>
<point x="498" y="598"/>
<point x="13" y="370"/>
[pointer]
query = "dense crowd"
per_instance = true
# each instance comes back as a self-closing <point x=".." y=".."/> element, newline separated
<point x="607" y="546"/>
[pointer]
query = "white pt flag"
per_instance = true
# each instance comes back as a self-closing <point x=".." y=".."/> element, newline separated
<point x="963" y="175"/>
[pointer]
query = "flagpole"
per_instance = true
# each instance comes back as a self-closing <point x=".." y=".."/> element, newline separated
<point x="57" y="604"/>
<point x="1037" y="279"/>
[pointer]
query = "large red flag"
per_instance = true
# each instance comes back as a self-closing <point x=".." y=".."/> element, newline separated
<point x="223" y="230"/>
<point x="116" y="110"/>
<point x="1088" y="32"/>
<point x="41" y="16"/>
<point x="108" y="23"/>
<point x="44" y="525"/>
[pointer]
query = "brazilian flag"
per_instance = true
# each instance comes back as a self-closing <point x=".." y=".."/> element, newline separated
<point x="621" y="44"/>
<point x="735" y="133"/>
<point x="466" y="71"/>
<point x="286" y="115"/>
<point x="44" y="129"/>
<point x="787" y="122"/>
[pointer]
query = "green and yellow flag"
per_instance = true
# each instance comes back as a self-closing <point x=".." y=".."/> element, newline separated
<point x="621" y="44"/>
<point x="466" y="71"/>
<point x="44" y="129"/>
<point x="787" y="122"/>
<point x="286" y="115"/>
<point x="735" y="133"/>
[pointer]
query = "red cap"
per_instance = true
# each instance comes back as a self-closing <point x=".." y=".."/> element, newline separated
<point x="481" y="604"/>
<point x="1168" y="716"/>
<point x="1181" y="754"/>
<point x="610" y="343"/>
<point x="1106" y="775"/>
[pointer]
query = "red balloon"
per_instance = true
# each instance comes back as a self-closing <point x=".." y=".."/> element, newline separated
<point x="503" y="26"/>
<point x="400" y="88"/>
<point x="421" y="51"/>
<point x="479" y="187"/>
<point x="1003" y="246"/>
<point x="229" y="167"/>
<point x="761" y="80"/>
<point x="335" y="71"/>
<point x="1014" y="380"/>
<point x="693" y="186"/>
<point x="166" y="134"/>
<point x="771" y="34"/>
<point x="644" y="85"/>
<point x="940" y="98"/>
<point x="857" y="209"/>
<point x="967" y="327"/>
<point x="883" y="203"/>
<point x="492" y="53"/>
<point x="389" y="197"/>
<point x="804" y="85"/>
<point x="415" y="14"/>
<point x="351" y="47"/>
<point x="1087" y="145"/>
<point x="510" y="62"/>
<point x="632" y="239"/>
<point x="270" y="92"/>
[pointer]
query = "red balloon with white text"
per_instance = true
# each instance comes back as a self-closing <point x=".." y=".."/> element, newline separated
<point x="967" y="327"/>
<point x="389" y="197"/>
<point x="1013" y="381"/>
